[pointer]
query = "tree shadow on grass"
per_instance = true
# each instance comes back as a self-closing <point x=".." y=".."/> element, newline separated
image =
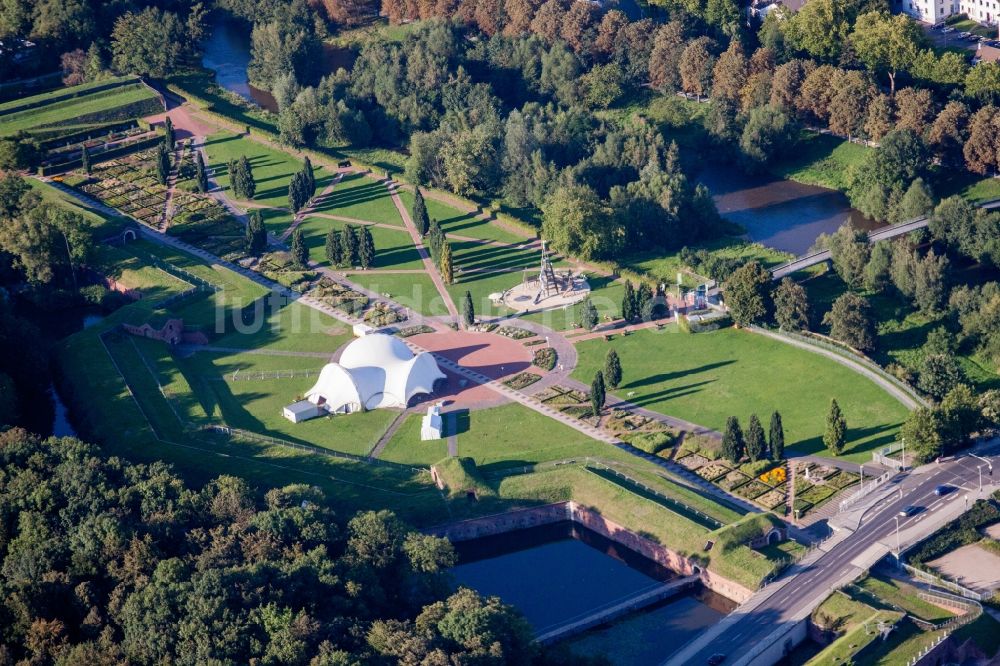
<point x="669" y="393"/>
<point x="882" y="435"/>
<point x="667" y="376"/>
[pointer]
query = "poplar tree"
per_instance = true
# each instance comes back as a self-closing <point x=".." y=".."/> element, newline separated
<point x="588" y="318"/>
<point x="366" y="248"/>
<point x="348" y="246"/>
<point x="310" y="178"/>
<point x="419" y="214"/>
<point x="333" y="252"/>
<point x="777" y="440"/>
<point x="256" y="240"/>
<point x="85" y="160"/>
<point x="613" y="369"/>
<point x="162" y="164"/>
<point x="468" y="310"/>
<point x="732" y="440"/>
<point x="300" y="253"/>
<point x="168" y="133"/>
<point x="755" y="439"/>
<point x="628" y="302"/>
<point x="200" y="175"/>
<point x="836" y="429"/>
<point x="447" y="270"/>
<point x="598" y="393"/>
<point x="435" y="238"/>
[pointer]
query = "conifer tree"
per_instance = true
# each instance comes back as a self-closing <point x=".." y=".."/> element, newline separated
<point x="643" y="296"/>
<point x="755" y="439"/>
<point x="613" y="369"/>
<point x="85" y="161"/>
<point x="732" y="440"/>
<point x="348" y="246"/>
<point x="468" y="310"/>
<point x="300" y="253"/>
<point x="588" y="317"/>
<point x="333" y="247"/>
<point x="447" y="270"/>
<point x="256" y="234"/>
<point x="200" y="175"/>
<point x="598" y="394"/>
<point x="162" y="164"/>
<point x="366" y="248"/>
<point x="296" y="192"/>
<point x="419" y="215"/>
<point x="628" y="302"/>
<point x="435" y="237"/>
<point x="310" y="178"/>
<point x="836" y="429"/>
<point x="241" y="178"/>
<point x="777" y="440"/>
<point x="169" y="138"/>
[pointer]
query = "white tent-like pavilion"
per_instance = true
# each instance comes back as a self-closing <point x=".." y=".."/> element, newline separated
<point x="375" y="371"/>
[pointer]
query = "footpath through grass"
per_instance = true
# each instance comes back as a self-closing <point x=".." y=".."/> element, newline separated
<point x="707" y="377"/>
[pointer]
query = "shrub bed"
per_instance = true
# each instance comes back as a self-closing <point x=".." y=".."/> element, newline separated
<point x="544" y="358"/>
<point x="522" y="380"/>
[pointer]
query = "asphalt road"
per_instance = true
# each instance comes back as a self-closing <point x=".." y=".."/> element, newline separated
<point x="813" y="581"/>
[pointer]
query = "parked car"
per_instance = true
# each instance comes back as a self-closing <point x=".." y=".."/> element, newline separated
<point x="943" y="489"/>
<point x="947" y="29"/>
<point x="907" y="511"/>
<point x="716" y="659"/>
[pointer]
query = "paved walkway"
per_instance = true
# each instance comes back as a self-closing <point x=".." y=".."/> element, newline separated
<point x="425" y="256"/>
<point x="380" y="445"/>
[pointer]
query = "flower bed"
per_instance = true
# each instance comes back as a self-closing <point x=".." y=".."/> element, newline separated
<point x="774" y="477"/>
<point x="522" y="380"/>
<point x="771" y="499"/>
<point x="752" y="489"/>
<point x="514" y="332"/>
<point x="733" y="480"/>
<point x="336" y="295"/>
<point x="818" y="494"/>
<point x="382" y="315"/>
<point x="712" y="471"/>
<point x="843" y="479"/>
<point x="544" y="358"/>
<point x="414" y="330"/>
<point x="693" y="461"/>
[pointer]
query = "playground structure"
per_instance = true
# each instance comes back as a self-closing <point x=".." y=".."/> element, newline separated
<point x="546" y="289"/>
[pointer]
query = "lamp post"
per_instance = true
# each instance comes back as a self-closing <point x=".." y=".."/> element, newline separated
<point x="897" y="541"/>
<point x="980" y="468"/>
<point x="903" y="460"/>
<point x="862" y="478"/>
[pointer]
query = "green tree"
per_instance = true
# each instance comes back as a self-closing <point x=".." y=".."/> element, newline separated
<point x="849" y="252"/>
<point x="791" y="306"/>
<point x="332" y="247"/>
<point x="419" y="215"/>
<point x="746" y="293"/>
<point x="578" y="223"/>
<point x="732" y="441"/>
<point x="755" y="442"/>
<point x="446" y="267"/>
<point x="983" y="82"/>
<point x="939" y="374"/>
<point x="962" y="414"/>
<point x="886" y="43"/>
<point x="819" y="28"/>
<point x="603" y="85"/>
<point x="468" y="310"/>
<point x="169" y="139"/>
<point x="878" y="271"/>
<point x="162" y="164"/>
<point x="152" y="42"/>
<point x="310" y="177"/>
<point x="85" y="160"/>
<point x="850" y="321"/>
<point x="598" y="394"/>
<point x="767" y="134"/>
<point x="613" y="369"/>
<point x="730" y="73"/>
<point x="366" y="248"/>
<point x="300" y="252"/>
<point x="200" y="175"/>
<point x="922" y="432"/>
<point x="777" y="438"/>
<point x="349" y="246"/>
<point x="588" y="315"/>
<point x="256" y="238"/>
<point x="835" y="435"/>
<point x="630" y="312"/>
<point x="696" y="66"/>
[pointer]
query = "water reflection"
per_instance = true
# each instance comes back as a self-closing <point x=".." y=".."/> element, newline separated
<point x="782" y="214"/>
<point x="227" y="53"/>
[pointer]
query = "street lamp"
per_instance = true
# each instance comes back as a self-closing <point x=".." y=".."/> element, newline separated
<point x="980" y="468"/>
<point x="897" y="541"/>
<point x="903" y="460"/>
<point x="862" y="478"/>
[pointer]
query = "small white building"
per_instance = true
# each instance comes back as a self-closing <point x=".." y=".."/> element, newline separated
<point x="361" y="330"/>
<point x="432" y="425"/>
<point x="303" y="410"/>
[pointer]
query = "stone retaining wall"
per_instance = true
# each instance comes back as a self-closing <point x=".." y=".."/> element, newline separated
<point x="475" y="528"/>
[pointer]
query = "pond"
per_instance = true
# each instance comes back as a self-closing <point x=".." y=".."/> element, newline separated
<point x="558" y="573"/>
<point x="227" y="53"/>
<point x="782" y="214"/>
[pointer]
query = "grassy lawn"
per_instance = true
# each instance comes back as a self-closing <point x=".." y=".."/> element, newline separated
<point x="707" y="377"/>
<point x="406" y="447"/>
<point x="295" y="327"/>
<point x="101" y="224"/>
<point x="821" y="159"/>
<point x="362" y="198"/>
<point x="846" y="649"/>
<point x="969" y="185"/>
<point x="414" y="290"/>
<point x="481" y="285"/>
<point x="904" y="596"/>
<point x="60" y="92"/>
<point x="984" y="632"/>
<point x="272" y="169"/>
<point x="393" y="249"/>
<point x="131" y="271"/>
<point x="459" y="222"/>
<point x="66" y="111"/>
<point x="840" y="612"/>
<point x="469" y="256"/>
<point x="256" y="404"/>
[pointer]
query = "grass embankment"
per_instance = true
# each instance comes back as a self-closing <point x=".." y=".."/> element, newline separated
<point x="856" y="623"/>
<point x="462" y="223"/>
<point x="707" y="377"/>
<point x="907" y="597"/>
<point x="103" y="106"/>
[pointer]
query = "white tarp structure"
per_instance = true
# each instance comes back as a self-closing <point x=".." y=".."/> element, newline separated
<point x="376" y="370"/>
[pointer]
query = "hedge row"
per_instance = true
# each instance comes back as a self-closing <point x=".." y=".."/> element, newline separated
<point x="91" y="133"/>
<point x="958" y="533"/>
<point x="126" y="149"/>
<point x="145" y="107"/>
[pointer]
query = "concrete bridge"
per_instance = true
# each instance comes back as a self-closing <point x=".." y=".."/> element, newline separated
<point x="884" y="233"/>
<point x="610" y="612"/>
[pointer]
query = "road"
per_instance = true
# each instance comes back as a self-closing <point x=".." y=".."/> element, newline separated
<point x="804" y="586"/>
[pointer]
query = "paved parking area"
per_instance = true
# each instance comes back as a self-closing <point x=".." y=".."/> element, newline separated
<point x="971" y="566"/>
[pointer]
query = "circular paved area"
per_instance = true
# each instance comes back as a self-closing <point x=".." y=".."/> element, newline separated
<point x="495" y="356"/>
